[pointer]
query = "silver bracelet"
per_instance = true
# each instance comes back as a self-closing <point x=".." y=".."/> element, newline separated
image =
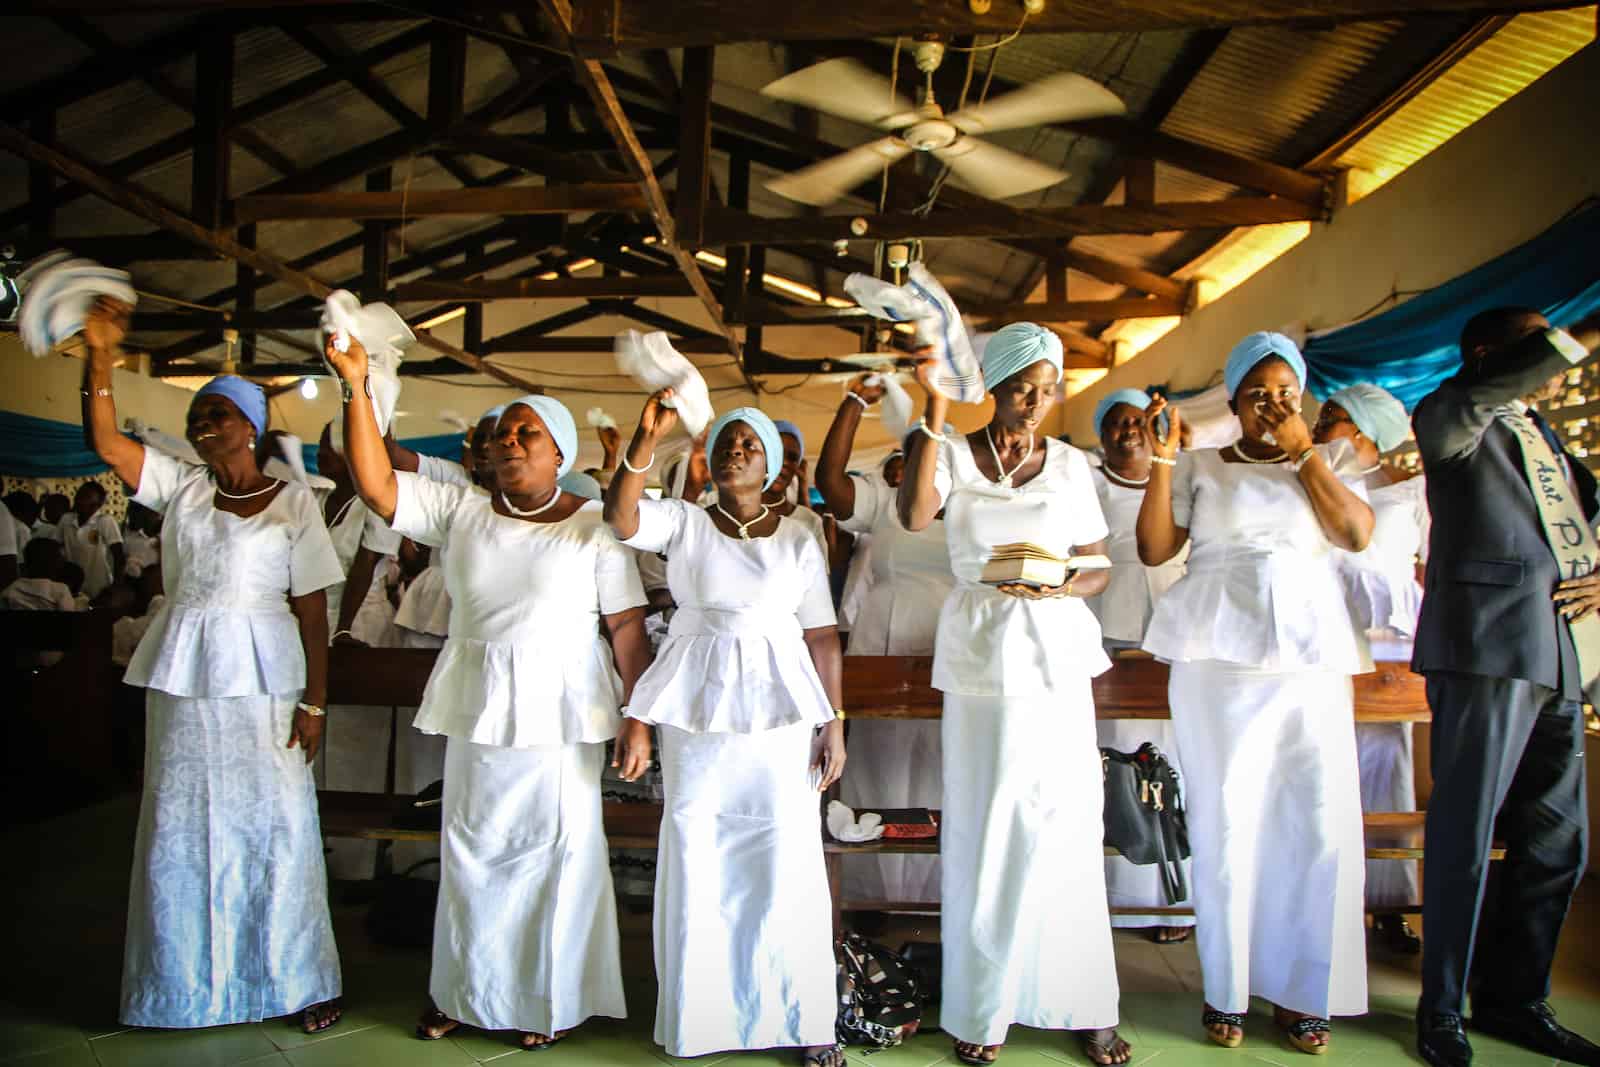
<point x="1302" y="460"/>
<point x="107" y="392"/>
<point x="858" y="398"/>
<point x="638" y="470"/>
<point x="340" y="633"/>
<point x="310" y="709"/>
<point x="922" y="424"/>
<point x="1164" y="461"/>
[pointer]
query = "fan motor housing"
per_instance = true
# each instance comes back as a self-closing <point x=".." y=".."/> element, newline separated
<point x="930" y="134"/>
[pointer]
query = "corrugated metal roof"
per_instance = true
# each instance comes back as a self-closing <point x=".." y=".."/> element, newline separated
<point x="1519" y="54"/>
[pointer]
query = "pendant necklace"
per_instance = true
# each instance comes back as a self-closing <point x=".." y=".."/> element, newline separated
<point x="1126" y="483"/>
<point x="540" y="510"/>
<point x="1279" y="458"/>
<point x="743" y="527"/>
<point x="1004" y="481"/>
<point x="269" y="487"/>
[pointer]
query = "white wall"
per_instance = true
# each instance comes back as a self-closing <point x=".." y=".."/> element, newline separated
<point x="1498" y="183"/>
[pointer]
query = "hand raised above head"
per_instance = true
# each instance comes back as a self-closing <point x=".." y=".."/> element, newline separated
<point x="106" y="325"/>
<point x="351" y="364"/>
<point x="868" y="389"/>
<point x="1168" y="447"/>
<point x="657" y="419"/>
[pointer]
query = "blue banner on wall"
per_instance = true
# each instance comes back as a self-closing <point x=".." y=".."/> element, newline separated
<point x="1410" y="349"/>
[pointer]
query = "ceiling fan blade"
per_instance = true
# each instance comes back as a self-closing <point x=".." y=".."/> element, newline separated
<point x="994" y="172"/>
<point x="1058" y="98"/>
<point x="847" y="89"/>
<point x="823" y="183"/>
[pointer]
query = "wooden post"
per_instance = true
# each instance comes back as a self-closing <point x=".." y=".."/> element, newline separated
<point x="733" y="275"/>
<point x="244" y="295"/>
<point x="213" y="107"/>
<point x="694" y="153"/>
<point x="1055" y="274"/>
<point x="375" y="243"/>
<point x="42" y="186"/>
<point x="1139" y="180"/>
<point x="447" y="72"/>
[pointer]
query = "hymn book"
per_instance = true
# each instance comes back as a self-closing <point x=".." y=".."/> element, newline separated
<point x="1024" y="563"/>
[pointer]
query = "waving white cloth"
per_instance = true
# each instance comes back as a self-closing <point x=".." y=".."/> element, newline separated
<point x="57" y="293"/>
<point x="650" y="360"/>
<point x="924" y="301"/>
<point x="385" y="336"/>
<point x="844" y="826"/>
<point x="161" y="441"/>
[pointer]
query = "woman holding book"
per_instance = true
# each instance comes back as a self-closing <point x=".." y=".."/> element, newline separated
<point x="1027" y="934"/>
<point x="1262" y="648"/>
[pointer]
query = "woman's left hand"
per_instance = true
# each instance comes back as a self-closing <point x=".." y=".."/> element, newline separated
<point x="827" y="754"/>
<point x="1288" y="427"/>
<point x="351" y="364"/>
<point x="1036" y="592"/>
<point x="307" y="732"/>
<point x="631" y="755"/>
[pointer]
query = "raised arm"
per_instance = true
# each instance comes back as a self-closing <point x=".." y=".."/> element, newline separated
<point x="918" y="499"/>
<point x="365" y="452"/>
<point x="1452" y="421"/>
<point x="1345" y="518"/>
<point x="832" y="482"/>
<point x="1160" y="537"/>
<point x="103" y="330"/>
<point x="627" y="485"/>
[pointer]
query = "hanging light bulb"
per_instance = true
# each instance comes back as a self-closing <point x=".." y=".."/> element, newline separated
<point x="308" y="388"/>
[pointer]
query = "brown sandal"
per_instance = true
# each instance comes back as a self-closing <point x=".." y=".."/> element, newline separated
<point x="984" y="1055"/>
<point x="1232" y="1020"/>
<point x="435" y="1020"/>
<point x="1300" y="1031"/>
<point x="1103" y="1046"/>
<point x="314" y="1020"/>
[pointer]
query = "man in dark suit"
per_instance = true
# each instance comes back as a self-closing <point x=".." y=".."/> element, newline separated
<point x="1506" y="692"/>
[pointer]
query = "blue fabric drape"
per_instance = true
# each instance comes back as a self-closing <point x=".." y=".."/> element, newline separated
<point x="44" y="448"/>
<point x="442" y="445"/>
<point x="1410" y="349"/>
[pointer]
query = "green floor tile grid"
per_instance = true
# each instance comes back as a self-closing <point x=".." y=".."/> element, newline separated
<point x="66" y="899"/>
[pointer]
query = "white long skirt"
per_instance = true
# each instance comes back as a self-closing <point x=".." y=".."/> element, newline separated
<point x="1388" y="783"/>
<point x="743" y="926"/>
<point x="525" y="937"/>
<point x="228" y="904"/>
<point x="893" y="764"/>
<point x="1027" y="937"/>
<point x="1134" y="885"/>
<point x="1274" y="814"/>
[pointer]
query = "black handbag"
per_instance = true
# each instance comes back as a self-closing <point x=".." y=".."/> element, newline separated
<point x="879" y="1002"/>
<point x="1144" y="814"/>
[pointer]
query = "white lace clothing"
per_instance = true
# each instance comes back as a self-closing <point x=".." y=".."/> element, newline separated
<point x="992" y="644"/>
<point x="525" y="663"/>
<point x="356" y="526"/>
<point x="734" y="660"/>
<point x="1125" y="607"/>
<point x="1261" y="589"/>
<point x="89" y="546"/>
<point x="910" y="576"/>
<point x="142" y="551"/>
<point x="226" y="629"/>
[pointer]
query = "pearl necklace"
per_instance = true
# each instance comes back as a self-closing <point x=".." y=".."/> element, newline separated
<point x="269" y="487"/>
<point x="1004" y="481"/>
<point x="540" y="510"/>
<point x="743" y="527"/>
<point x="1126" y="483"/>
<point x="1279" y="458"/>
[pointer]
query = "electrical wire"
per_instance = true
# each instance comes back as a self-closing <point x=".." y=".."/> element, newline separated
<point x="474" y="28"/>
<point x="993" y="45"/>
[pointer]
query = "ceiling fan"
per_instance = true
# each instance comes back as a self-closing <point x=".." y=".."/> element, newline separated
<point x="849" y="90"/>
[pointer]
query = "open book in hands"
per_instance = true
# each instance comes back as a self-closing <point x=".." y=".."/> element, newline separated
<point x="1024" y="563"/>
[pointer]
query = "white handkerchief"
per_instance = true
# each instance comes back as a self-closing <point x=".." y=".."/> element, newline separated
<point x="600" y="420"/>
<point x="385" y="336"/>
<point x="897" y="407"/>
<point x="60" y="290"/>
<point x="844" y="826"/>
<point x="650" y="360"/>
<point x="924" y="301"/>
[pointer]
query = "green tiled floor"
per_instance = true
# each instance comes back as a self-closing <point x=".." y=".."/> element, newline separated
<point x="66" y="892"/>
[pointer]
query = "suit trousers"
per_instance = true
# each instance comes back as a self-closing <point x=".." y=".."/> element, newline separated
<point x="1507" y="756"/>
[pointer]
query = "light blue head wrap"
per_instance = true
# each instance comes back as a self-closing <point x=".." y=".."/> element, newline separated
<point x="1134" y="398"/>
<point x="1376" y="413"/>
<point x="1255" y="348"/>
<point x="1016" y="348"/>
<point x="581" y="483"/>
<point x="493" y="413"/>
<point x="785" y="426"/>
<point x="558" y="420"/>
<point x="765" y="429"/>
<point x="246" y="396"/>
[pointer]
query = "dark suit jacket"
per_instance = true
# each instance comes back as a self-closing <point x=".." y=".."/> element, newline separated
<point x="1487" y="608"/>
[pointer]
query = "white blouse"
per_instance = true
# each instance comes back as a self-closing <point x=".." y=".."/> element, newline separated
<point x="735" y="659"/>
<point x="89" y="546"/>
<point x="525" y="662"/>
<point x="1381" y="581"/>
<point x="1261" y="588"/>
<point x="1125" y="607"/>
<point x="909" y="581"/>
<point x="992" y="644"/>
<point x="425" y="606"/>
<point x="225" y="629"/>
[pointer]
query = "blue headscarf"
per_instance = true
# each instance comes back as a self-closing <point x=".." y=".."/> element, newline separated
<point x="765" y="429"/>
<point x="1016" y="348"/>
<point x="493" y="413"/>
<point x="1255" y="348"/>
<point x="785" y="426"/>
<point x="580" y="483"/>
<point x="246" y="396"/>
<point x="1377" y="414"/>
<point x="558" y="420"/>
<point x="1134" y="398"/>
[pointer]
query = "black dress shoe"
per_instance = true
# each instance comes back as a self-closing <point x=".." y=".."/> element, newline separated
<point x="1397" y="935"/>
<point x="1534" y="1026"/>
<point x="1442" y="1042"/>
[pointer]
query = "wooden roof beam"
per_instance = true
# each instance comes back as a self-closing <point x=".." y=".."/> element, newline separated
<point x="542" y="289"/>
<point x="419" y="203"/>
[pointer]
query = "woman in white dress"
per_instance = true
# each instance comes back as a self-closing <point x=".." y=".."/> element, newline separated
<point x="228" y="905"/>
<point x="1262" y="649"/>
<point x="1026" y="930"/>
<point x="527" y="691"/>
<point x="1385" y="596"/>
<point x="744" y="694"/>
<point x="895" y="763"/>
<point x="1124" y="613"/>
<point x="792" y="475"/>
